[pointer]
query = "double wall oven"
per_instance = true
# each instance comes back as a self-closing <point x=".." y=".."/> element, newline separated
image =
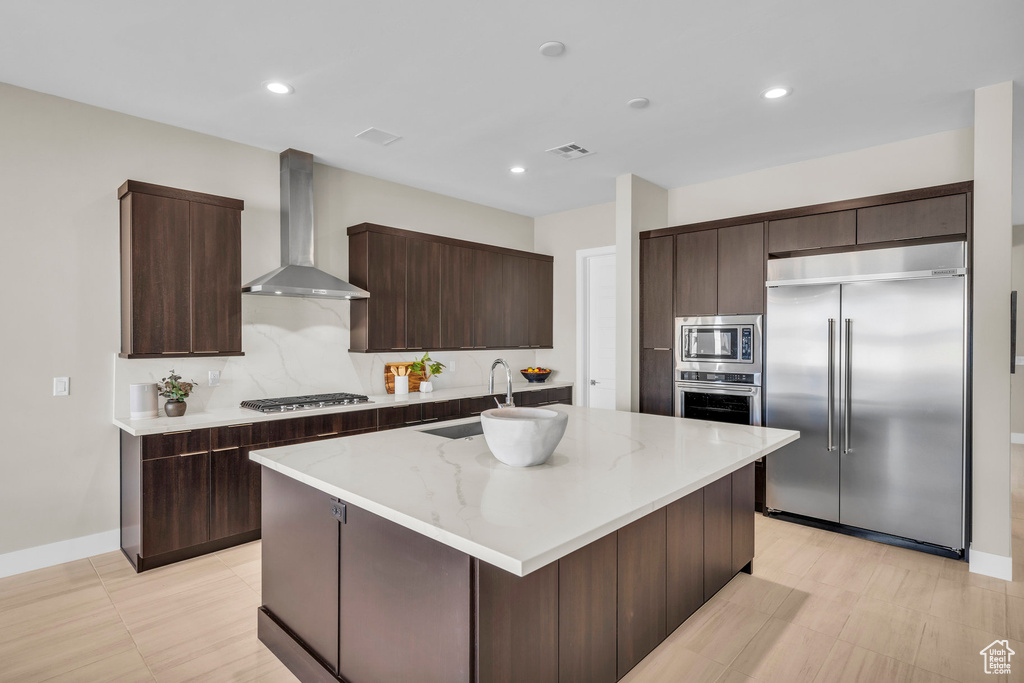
<point x="718" y="368"/>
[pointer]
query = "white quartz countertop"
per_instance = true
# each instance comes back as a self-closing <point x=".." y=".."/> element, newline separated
<point x="222" y="418"/>
<point x="611" y="468"/>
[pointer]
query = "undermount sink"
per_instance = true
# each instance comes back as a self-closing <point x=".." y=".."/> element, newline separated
<point x="457" y="431"/>
<point x="523" y="437"/>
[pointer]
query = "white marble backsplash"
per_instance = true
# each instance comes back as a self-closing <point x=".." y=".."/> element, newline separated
<point x="299" y="346"/>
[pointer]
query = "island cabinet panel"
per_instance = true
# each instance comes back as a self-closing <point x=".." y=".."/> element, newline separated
<point x="175" y="503"/>
<point x="216" y="269"/>
<point x="741" y="269"/>
<point x="423" y="295"/>
<point x="656" y="284"/>
<point x="587" y="585"/>
<point x="457" y="294"/>
<point x="400" y="583"/>
<point x="181" y="290"/>
<point x="541" y="295"/>
<point x="684" y="561"/>
<point x="718" y="535"/>
<point x="656" y="383"/>
<point x="742" y="517"/>
<point x="641" y="589"/>
<point x="300" y="563"/>
<point x="517" y="624"/>
<point x="817" y="231"/>
<point x="516" y="288"/>
<point x="696" y="276"/>
<point x="234" y="492"/>
<point x="934" y="217"/>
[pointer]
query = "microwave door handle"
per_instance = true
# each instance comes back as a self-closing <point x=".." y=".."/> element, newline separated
<point x="831" y="380"/>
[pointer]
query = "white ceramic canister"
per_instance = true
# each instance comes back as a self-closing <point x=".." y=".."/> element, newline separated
<point x="142" y="399"/>
<point x="402" y="384"/>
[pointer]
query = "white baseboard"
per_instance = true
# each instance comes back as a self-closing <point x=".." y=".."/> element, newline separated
<point x="996" y="566"/>
<point x="1016" y="437"/>
<point x="26" y="560"/>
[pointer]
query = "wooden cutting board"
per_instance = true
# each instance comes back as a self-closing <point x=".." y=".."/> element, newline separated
<point x="389" y="377"/>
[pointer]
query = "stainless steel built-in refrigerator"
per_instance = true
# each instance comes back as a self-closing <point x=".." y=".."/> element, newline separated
<point x="865" y="354"/>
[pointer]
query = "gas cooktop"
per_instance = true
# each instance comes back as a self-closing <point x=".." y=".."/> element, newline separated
<point x="288" y="403"/>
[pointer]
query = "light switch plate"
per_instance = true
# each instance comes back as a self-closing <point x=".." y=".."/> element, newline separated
<point x="61" y="386"/>
<point x="214" y="378"/>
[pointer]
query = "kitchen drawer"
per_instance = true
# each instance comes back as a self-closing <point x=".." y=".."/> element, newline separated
<point x="478" y="404"/>
<point x="239" y="435"/>
<point x="559" y="395"/>
<point x="296" y="428"/>
<point x="532" y="398"/>
<point x="188" y="441"/>
<point x="399" y="416"/>
<point x="339" y="424"/>
<point x="441" y="410"/>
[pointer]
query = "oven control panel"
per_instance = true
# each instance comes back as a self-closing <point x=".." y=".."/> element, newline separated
<point x="746" y="344"/>
<point x="724" y="377"/>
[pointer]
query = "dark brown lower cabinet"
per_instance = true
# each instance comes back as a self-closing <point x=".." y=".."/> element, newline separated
<point x="234" y="492"/>
<point x="641" y="589"/>
<point x="587" y="581"/>
<point x="411" y="608"/>
<point x="684" y="558"/>
<point x="517" y="620"/>
<point x="742" y="520"/>
<point x="405" y="613"/>
<point x="301" y="539"/>
<point x="441" y="410"/>
<point x="399" y="416"/>
<point x="175" y="502"/>
<point x="718" y="535"/>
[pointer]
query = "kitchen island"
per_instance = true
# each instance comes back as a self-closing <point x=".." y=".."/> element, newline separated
<point x="408" y="556"/>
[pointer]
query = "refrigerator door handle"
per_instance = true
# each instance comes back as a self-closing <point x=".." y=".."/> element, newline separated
<point x="847" y="393"/>
<point x="831" y="381"/>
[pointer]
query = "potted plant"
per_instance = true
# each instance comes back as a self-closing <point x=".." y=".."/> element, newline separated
<point x="427" y="369"/>
<point x="175" y="391"/>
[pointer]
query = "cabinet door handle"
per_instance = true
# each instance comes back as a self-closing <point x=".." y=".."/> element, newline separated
<point x="167" y="353"/>
<point x="429" y="419"/>
<point x="183" y="455"/>
<point x="658" y="348"/>
<point x="186" y="431"/>
<point x="321" y="436"/>
<point x="247" y="424"/>
<point x="218" y="450"/>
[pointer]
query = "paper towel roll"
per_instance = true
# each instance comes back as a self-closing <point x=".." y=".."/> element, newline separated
<point x="143" y="400"/>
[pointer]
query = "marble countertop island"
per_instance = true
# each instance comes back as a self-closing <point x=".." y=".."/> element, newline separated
<point x="611" y="468"/>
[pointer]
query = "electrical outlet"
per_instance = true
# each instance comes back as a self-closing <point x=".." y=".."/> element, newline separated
<point x="61" y="386"/>
<point x="214" y="378"/>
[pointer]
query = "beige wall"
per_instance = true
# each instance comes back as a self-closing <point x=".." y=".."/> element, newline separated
<point x="561" y="235"/>
<point x="60" y="165"/>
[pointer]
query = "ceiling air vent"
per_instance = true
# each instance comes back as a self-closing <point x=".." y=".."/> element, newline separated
<point x="570" y="151"/>
<point x="378" y="136"/>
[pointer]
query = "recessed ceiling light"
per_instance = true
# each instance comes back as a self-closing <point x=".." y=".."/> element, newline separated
<point x="552" y="48"/>
<point x="279" y="87"/>
<point x="775" y="93"/>
<point x="638" y="102"/>
<point x="517" y="169"/>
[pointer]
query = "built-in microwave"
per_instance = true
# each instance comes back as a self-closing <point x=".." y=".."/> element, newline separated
<point x="719" y="344"/>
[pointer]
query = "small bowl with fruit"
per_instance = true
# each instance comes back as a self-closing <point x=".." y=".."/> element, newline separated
<point x="536" y="375"/>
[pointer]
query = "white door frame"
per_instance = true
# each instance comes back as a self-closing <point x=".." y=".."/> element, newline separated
<point x="583" y="257"/>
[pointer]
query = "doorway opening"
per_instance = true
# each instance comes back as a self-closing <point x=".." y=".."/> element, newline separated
<point x="595" y="327"/>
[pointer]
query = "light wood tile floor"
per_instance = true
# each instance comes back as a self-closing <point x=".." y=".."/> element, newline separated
<point x="818" y="608"/>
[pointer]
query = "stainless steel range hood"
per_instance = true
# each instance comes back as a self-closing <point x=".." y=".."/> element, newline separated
<point x="297" y="275"/>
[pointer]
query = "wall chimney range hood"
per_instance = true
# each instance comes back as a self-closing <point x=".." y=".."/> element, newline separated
<point x="297" y="275"/>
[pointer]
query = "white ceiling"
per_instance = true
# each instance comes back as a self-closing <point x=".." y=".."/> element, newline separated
<point x="463" y="83"/>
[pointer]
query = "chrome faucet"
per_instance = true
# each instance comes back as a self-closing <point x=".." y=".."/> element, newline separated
<point x="509" y="403"/>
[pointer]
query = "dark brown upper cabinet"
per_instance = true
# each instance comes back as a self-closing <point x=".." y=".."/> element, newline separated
<point x="741" y="269"/>
<point x="181" y="264"/>
<point x="436" y="293"/>
<point x="656" y="269"/>
<point x="932" y="217"/>
<point x="818" y="231"/>
<point x="697" y="273"/>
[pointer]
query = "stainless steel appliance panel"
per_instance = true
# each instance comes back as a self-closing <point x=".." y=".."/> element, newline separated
<point x="719" y="402"/>
<point x="902" y="453"/>
<point x="803" y="477"/>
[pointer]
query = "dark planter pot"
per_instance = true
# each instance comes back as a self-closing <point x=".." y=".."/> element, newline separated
<point x="175" y="408"/>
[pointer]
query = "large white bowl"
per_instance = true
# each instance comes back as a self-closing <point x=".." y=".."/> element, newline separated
<point x="523" y="437"/>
